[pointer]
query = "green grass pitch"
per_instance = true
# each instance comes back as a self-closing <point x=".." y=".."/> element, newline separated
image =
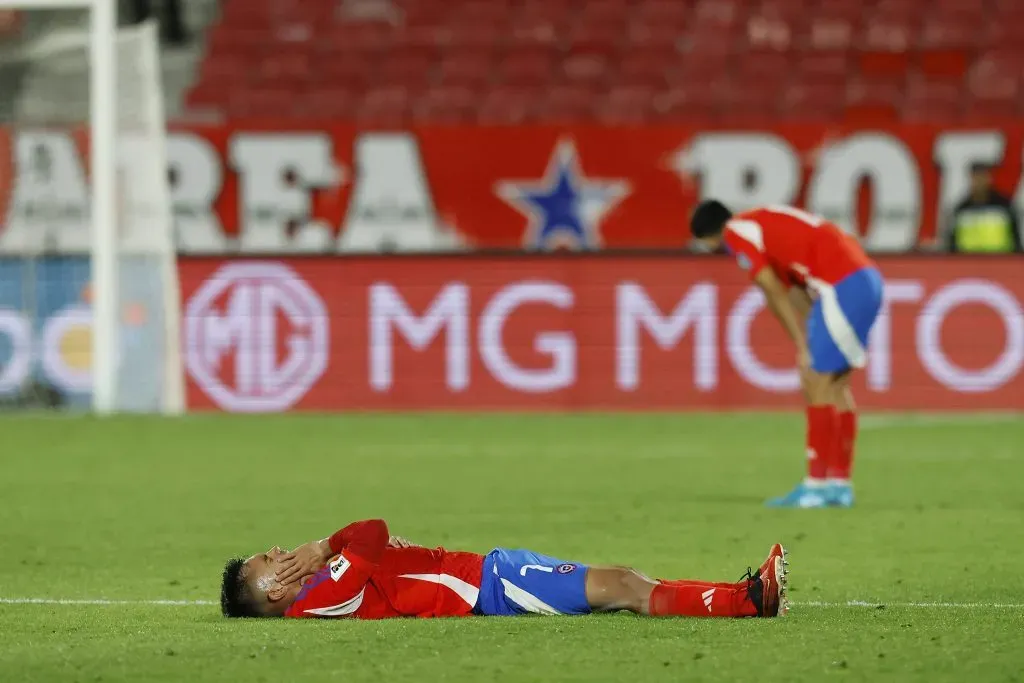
<point x="144" y="509"/>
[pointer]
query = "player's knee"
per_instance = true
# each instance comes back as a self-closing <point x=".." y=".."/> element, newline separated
<point x="617" y="588"/>
<point x="817" y="388"/>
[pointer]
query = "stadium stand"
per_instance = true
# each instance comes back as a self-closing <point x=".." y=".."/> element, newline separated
<point x="614" y="61"/>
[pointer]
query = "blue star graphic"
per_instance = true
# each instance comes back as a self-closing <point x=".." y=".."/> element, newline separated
<point x="565" y="208"/>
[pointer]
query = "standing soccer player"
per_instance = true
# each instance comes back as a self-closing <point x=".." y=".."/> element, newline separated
<point x="795" y="257"/>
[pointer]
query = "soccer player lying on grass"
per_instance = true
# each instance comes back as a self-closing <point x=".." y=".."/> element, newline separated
<point x="816" y="276"/>
<point x="364" y="573"/>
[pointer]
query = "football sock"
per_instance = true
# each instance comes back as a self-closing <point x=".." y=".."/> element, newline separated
<point x="821" y="433"/>
<point x="705" y="584"/>
<point x="699" y="599"/>
<point x="842" y="463"/>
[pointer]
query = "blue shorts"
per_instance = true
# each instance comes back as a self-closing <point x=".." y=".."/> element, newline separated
<point x="523" y="582"/>
<point x="842" y="317"/>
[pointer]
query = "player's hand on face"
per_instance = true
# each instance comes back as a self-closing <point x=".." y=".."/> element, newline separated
<point x="307" y="559"/>
<point x="399" y="542"/>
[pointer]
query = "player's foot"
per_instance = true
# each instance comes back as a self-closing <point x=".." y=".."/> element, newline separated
<point x="776" y="551"/>
<point x="803" y="496"/>
<point x="840" y="494"/>
<point x="767" y="590"/>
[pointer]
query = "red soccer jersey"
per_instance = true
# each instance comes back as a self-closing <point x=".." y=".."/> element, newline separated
<point x="368" y="580"/>
<point x="795" y="244"/>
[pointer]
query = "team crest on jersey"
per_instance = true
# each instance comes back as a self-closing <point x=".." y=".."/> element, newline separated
<point x="744" y="262"/>
<point x="339" y="566"/>
<point x="566" y="568"/>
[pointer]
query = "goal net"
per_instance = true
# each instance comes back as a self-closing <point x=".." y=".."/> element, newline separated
<point x="89" y="298"/>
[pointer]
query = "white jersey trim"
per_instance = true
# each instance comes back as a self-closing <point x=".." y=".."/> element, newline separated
<point x="340" y="610"/>
<point x="749" y="231"/>
<point x="467" y="591"/>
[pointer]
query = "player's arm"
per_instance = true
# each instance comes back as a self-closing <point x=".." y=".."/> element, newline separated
<point x="801" y="301"/>
<point x="363" y="540"/>
<point x="779" y="303"/>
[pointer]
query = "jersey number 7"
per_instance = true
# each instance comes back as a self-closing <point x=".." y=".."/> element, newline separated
<point x="538" y="567"/>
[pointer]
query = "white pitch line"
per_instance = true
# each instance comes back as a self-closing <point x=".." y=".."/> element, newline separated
<point x="208" y="603"/>
<point x="880" y="421"/>
<point x="62" y="601"/>
<point x="937" y="605"/>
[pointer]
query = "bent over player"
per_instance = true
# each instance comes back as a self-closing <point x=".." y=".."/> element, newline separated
<point x="827" y="293"/>
<point x="364" y="573"/>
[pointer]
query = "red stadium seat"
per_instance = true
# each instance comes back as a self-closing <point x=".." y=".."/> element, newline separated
<point x="527" y="67"/>
<point x="947" y="64"/>
<point x="385" y="106"/>
<point x="606" y="11"/>
<point x="568" y="104"/>
<point x="532" y="33"/>
<point x="813" y="101"/>
<point x="625" y="105"/>
<point x="642" y="35"/>
<point x="829" y="34"/>
<point x="207" y="96"/>
<point x="674" y="13"/>
<point x="266" y="103"/>
<point x="326" y="104"/>
<point x="284" y="68"/>
<point x="348" y="37"/>
<point x="408" y="68"/>
<point x="445" y="105"/>
<point x="742" y="103"/>
<point x="928" y="100"/>
<point x="644" y="67"/>
<point x="585" y="67"/>
<point x="684" y="105"/>
<point x="944" y="33"/>
<point x="870" y="101"/>
<point x="765" y="67"/>
<point x="598" y="59"/>
<point x="466" y="68"/>
<point x="883" y="65"/>
<point x="816" y="66"/>
<point x="505" y="105"/>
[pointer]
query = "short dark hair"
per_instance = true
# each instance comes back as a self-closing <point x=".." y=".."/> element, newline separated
<point x="236" y="597"/>
<point x="709" y="218"/>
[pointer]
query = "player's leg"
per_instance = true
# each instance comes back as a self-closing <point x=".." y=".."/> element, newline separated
<point x="610" y="589"/>
<point x="840" y="467"/>
<point x="524" y="582"/>
<point x="820" y="415"/>
<point x="856" y="304"/>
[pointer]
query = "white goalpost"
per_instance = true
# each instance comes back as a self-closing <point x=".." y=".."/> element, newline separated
<point x="135" y="309"/>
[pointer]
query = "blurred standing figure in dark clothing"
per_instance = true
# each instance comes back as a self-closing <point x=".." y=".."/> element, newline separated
<point x="985" y="221"/>
<point x="171" y="23"/>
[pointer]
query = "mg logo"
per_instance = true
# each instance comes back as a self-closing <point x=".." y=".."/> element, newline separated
<point x="256" y="337"/>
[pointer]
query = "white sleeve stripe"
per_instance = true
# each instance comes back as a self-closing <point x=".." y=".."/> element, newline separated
<point x="748" y="231"/>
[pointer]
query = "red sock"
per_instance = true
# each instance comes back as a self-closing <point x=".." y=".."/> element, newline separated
<point x="821" y="432"/>
<point x="705" y="584"/>
<point x="697" y="599"/>
<point x="842" y="464"/>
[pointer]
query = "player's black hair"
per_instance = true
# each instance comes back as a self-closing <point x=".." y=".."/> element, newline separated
<point x="236" y="598"/>
<point x="709" y="218"/>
